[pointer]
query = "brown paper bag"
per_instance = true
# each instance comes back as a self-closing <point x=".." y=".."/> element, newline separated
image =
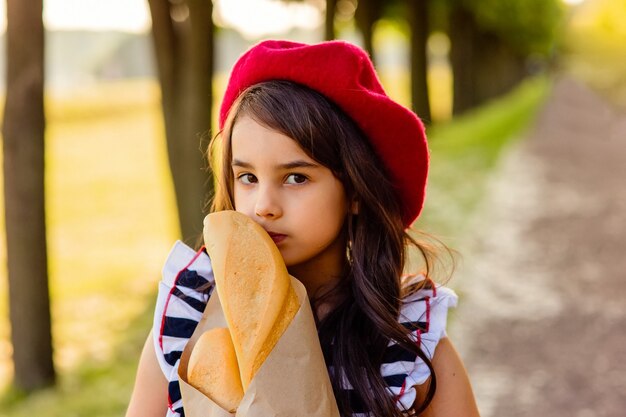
<point x="293" y="381"/>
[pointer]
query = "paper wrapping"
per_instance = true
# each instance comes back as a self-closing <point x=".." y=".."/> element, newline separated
<point x="293" y="381"/>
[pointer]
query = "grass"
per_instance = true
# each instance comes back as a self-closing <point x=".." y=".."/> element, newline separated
<point x="464" y="153"/>
<point x="112" y="220"/>
<point x="95" y="388"/>
<point x="110" y="214"/>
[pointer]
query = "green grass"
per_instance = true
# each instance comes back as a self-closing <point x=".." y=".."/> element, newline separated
<point x="465" y="152"/>
<point x="99" y="388"/>
<point x="112" y="220"/>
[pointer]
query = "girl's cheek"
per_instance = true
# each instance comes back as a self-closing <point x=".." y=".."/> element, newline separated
<point x="240" y="201"/>
<point x="236" y="203"/>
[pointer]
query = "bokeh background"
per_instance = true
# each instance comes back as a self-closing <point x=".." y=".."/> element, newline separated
<point x="526" y="185"/>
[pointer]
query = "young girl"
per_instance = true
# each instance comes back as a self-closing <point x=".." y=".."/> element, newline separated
<point x="314" y="151"/>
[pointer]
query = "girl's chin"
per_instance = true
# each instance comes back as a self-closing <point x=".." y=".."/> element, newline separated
<point x="290" y="263"/>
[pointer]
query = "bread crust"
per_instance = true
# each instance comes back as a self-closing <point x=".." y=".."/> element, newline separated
<point x="213" y="368"/>
<point x="257" y="299"/>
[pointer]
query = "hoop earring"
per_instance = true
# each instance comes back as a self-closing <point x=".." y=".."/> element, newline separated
<point x="351" y="221"/>
<point x="349" y="252"/>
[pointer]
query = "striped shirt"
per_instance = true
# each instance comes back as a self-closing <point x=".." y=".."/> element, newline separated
<point x="180" y="306"/>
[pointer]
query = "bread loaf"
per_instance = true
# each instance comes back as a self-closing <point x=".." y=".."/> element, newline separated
<point x="258" y="302"/>
<point x="253" y="285"/>
<point x="213" y="369"/>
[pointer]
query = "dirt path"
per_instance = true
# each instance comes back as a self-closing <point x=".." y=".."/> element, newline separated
<point x="542" y="320"/>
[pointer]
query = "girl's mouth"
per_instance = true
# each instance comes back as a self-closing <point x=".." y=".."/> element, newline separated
<point x="277" y="237"/>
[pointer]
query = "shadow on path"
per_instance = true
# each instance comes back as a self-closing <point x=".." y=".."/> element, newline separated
<point x="542" y="319"/>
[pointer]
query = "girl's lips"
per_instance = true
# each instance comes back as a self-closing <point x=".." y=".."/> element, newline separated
<point x="277" y="237"/>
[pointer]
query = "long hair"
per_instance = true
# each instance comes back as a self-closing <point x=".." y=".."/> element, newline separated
<point x="356" y="333"/>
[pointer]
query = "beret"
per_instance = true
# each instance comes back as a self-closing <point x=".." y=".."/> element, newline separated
<point x="345" y="75"/>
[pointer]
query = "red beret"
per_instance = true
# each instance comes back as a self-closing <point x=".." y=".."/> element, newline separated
<point x="345" y="75"/>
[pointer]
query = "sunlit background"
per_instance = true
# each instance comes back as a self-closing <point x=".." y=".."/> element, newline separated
<point x="252" y="18"/>
<point x="110" y="204"/>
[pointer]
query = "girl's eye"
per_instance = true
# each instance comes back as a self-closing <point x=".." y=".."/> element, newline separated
<point x="247" y="178"/>
<point x="296" y="179"/>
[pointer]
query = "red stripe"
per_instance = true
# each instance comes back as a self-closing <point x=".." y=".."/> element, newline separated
<point x="167" y="302"/>
<point x="401" y="391"/>
<point x="427" y="300"/>
<point x="418" y="339"/>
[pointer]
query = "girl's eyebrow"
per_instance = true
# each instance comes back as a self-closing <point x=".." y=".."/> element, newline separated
<point x="289" y="165"/>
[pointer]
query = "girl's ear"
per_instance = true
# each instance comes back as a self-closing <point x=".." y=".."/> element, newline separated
<point x="354" y="206"/>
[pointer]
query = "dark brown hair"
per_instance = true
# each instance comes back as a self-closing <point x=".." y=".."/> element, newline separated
<point x="355" y="334"/>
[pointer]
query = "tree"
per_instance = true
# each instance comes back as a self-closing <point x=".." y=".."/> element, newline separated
<point x="416" y="13"/>
<point x="182" y="33"/>
<point x="418" y="22"/>
<point x="491" y="41"/>
<point x="485" y="64"/>
<point x="462" y="32"/>
<point x="23" y="144"/>
<point x="367" y="13"/>
<point x="329" y="20"/>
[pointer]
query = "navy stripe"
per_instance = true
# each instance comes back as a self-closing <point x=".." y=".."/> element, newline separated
<point x="396" y="353"/>
<point x="415" y="325"/>
<point x="172" y="357"/>
<point x="180" y="411"/>
<point x="190" y="279"/>
<point x="197" y="305"/>
<point x="179" y="327"/>
<point x="395" y="380"/>
<point x="173" y="390"/>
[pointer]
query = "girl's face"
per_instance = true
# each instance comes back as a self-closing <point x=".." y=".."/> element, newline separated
<point x="296" y="200"/>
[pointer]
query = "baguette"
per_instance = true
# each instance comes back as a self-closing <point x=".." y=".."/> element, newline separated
<point x="253" y="285"/>
<point x="257" y="299"/>
<point x="213" y="368"/>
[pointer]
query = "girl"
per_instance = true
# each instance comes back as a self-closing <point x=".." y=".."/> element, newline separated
<point x="314" y="151"/>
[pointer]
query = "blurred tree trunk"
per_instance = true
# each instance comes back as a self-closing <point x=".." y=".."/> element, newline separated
<point x="329" y="21"/>
<point x="484" y="66"/>
<point x="498" y="67"/>
<point x="183" y="41"/>
<point x="418" y="21"/>
<point x="366" y="15"/>
<point x="23" y="145"/>
<point x="462" y="32"/>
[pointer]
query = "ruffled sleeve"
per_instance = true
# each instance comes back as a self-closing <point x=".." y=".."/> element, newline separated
<point x="425" y="312"/>
<point x="187" y="282"/>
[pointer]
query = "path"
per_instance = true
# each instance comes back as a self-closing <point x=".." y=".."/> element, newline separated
<point x="542" y="320"/>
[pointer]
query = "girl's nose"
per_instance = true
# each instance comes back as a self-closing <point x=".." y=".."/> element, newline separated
<point x="267" y="204"/>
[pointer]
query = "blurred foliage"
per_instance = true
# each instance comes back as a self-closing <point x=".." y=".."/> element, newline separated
<point x="606" y="18"/>
<point x="595" y="46"/>
<point x="437" y="13"/>
<point x="530" y="26"/>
